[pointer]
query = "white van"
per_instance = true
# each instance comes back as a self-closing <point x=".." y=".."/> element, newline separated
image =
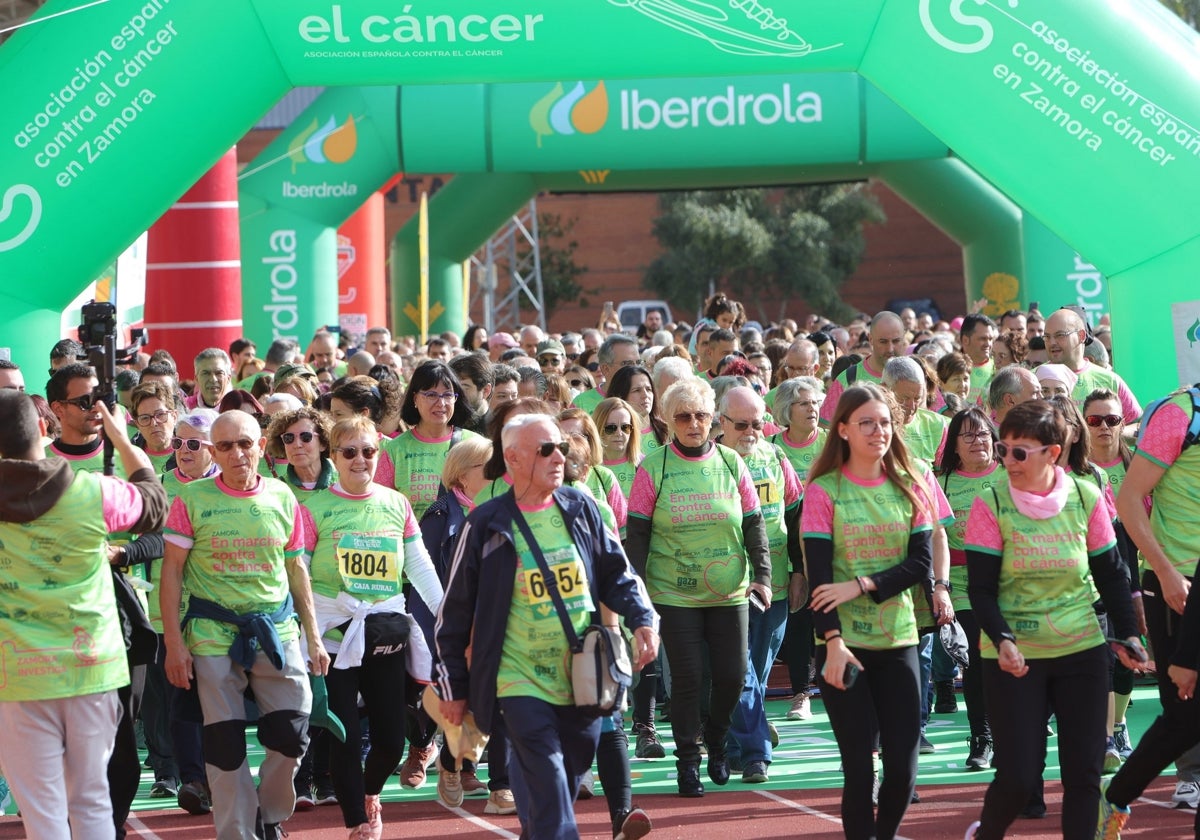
<point x="632" y="313"/>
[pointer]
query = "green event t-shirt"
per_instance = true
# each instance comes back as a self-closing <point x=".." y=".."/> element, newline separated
<point x="778" y="491"/>
<point x="59" y="632"/>
<point x="926" y="435"/>
<point x="625" y="472"/>
<point x="172" y="481"/>
<point x="961" y="488"/>
<point x="238" y="543"/>
<point x="1175" y="516"/>
<point x="358" y="545"/>
<point x="588" y="400"/>
<point x="981" y="380"/>
<point x="801" y="455"/>
<point x="696" y="507"/>
<point x="650" y="443"/>
<point x="535" y="660"/>
<point x="418" y="462"/>
<point x="869" y="523"/>
<point x="1046" y="590"/>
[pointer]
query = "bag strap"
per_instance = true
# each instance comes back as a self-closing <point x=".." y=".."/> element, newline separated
<point x="548" y="580"/>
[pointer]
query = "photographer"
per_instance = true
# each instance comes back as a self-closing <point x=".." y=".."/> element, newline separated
<point x="56" y="734"/>
<point x="71" y="394"/>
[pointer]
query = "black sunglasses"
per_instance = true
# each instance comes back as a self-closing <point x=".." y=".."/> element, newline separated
<point x="290" y="437"/>
<point x="545" y="450"/>
<point x="613" y="428"/>
<point x="1109" y="420"/>
<point x="743" y="425"/>
<point x="83" y="403"/>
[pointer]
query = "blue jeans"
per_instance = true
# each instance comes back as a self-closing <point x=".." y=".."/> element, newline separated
<point x="925" y="663"/>
<point x="549" y="749"/>
<point x="749" y="737"/>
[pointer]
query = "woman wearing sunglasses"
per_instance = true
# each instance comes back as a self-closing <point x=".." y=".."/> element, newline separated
<point x="968" y="468"/>
<point x="599" y="479"/>
<point x="620" y="439"/>
<point x="635" y="385"/>
<point x="435" y="410"/>
<point x="298" y="444"/>
<point x="867" y="525"/>
<point x="1039" y="547"/>
<point x="696" y="536"/>
<point x="362" y="539"/>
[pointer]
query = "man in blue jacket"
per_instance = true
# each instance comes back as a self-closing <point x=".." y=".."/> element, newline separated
<point x="497" y="603"/>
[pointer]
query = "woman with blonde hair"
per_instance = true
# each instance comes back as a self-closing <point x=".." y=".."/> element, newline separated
<point x="867" y="525"/>
<point x="620" y="439"/>
<point x="577" y="423"/>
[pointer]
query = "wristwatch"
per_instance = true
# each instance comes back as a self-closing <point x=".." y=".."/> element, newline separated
<point x="942" y="582"/>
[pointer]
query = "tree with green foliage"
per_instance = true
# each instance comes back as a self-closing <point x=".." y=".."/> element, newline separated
<point x="762" y="245"/>
<point x="560" y="272"/>
<point x="1188" y="10"/>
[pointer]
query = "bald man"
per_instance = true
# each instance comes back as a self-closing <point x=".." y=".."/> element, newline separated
<point x="238" y="541"/>
<point x="888" y="339"/>
<point x="1066" y="334"/>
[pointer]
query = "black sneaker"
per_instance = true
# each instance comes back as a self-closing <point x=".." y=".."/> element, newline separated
<point x="755" y="773"/>
<point x="164" y="788"/>
<point x="631" y="825"/>
<point x="195" y="798"/>
<point x="648" y="745"/>
<point x="273" y="831"/>
<point x="945" y="703"/>
<point x="980" y="757"/>
<point x="718" y="769"/>
<point x="324" y="794"/>
<point x="688" y="779"/>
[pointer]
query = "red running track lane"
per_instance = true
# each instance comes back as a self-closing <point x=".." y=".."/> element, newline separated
<point x="736" y="814"/>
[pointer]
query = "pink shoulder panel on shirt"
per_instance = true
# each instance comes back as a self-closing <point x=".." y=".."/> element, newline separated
<point x="793" y="489"/>
<point x="746" y="488"/>
<point x="385" y="471"/>
<point x="642" y="496"/>
<point x="296" y="543"/>
<point x="310" y="529"/>
<point x="983" y="531"/>
<point x="620" y="507"/>
<point x="817" y="516"/>
<point x="1162" y="436"/>
<point x="122" y="503"/>
<point x="1100" y="528"/>
<point x="178" y="519"/>
<point x="831" y="400"/>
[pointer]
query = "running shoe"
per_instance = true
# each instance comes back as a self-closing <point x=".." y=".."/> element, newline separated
<point x="801" y="708"/>
<point x="1186" y="795"/>
<point x="500" y="802"/>
<point x="1112" y="817"/>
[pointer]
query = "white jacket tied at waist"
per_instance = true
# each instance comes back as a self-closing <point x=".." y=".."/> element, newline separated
<point x="334" y="612"/>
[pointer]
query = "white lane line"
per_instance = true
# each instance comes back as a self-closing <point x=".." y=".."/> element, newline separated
<point x="140" y="828"/>
<point x="480" y="822"/>
<point x="804" y="809"/>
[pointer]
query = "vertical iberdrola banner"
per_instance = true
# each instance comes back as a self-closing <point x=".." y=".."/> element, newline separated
<point x="1185" y="320"/>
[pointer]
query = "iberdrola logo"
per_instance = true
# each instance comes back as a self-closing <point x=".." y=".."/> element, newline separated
<point x="580" y="111"/>
<point x="328" y="143"/>
<point x="1193" y="334"/>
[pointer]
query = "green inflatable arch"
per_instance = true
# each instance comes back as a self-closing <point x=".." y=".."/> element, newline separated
<point x="1083" y="114"/>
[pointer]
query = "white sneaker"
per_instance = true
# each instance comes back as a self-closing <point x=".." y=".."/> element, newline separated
<point x="801" y="708"/>
<point x="1186" y="795"/>
<point x="971" y="830"/>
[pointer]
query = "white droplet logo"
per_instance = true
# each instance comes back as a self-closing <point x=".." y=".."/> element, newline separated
<point x="981" y="24"/>
<point x="6" y="210"/>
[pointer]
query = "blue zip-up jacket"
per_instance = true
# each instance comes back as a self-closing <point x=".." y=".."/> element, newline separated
<point x="479" y="594"/>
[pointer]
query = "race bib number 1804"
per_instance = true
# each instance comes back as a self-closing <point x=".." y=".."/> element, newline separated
<point x="369" y="565"/>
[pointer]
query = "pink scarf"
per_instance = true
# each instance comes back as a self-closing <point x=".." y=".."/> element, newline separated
<point x="1038" y="506"/>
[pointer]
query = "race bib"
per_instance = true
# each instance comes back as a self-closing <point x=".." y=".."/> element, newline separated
<point x="369" y="565"/>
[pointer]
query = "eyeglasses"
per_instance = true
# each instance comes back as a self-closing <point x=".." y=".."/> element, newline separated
<point x="214" y="374"/>
<point x="807" y="404"/>
<point x="159" y="416"/>
<point x="1019" y="453"/>
<point x="627" y="363"/>
<point x="191" y="444"/>
<point x="972" y="437"/>
<point x="613" y="428"/>
<point x="434" y="396"/>
<point x="743" y="425"/>
<point x="351" y="452"/>
<point x="869" y="425"/>
<point x="83" y="403"/>
<point x="244" y="444"/>
<point x="289" y="438"/>
<point x="546" y="449"/>
<point x="549" y="360"/>
<point x="1061" y="334"/>
<point x="687" y="417"/>
<point x="1110" y="420"/>
<point x="576" y="383"/>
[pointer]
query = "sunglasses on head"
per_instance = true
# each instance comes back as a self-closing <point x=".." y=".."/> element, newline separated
<point x="1096" y="420"/>
<point x="613" y="428"/>
<point x="244" y="444"/>
<point x="743" y="425"/>
<point x="289" y="438"/>
<point x="191" y="444"/>
<point x="351" y="452"/>
<point x="1019" y="453"/>
<point x="546" y="449"/>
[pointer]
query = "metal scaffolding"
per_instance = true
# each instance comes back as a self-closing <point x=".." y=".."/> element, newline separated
<point x="508" y="270"/>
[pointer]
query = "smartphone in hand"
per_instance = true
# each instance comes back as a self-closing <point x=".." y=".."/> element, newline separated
<point x="757" y="602"/>
<point x="1124" y="644"/>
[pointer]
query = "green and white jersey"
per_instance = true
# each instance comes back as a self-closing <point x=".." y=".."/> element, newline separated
<point x="418" y="462"/>
<point x="535" y="660"/>
<point x="1046" y="590"/>
<point x="59" y="631"/>
<point x="696" y="507"/>
<point x="869" y="524"/>
<point x="238" y="543"/>
<point x="801" y="455"/>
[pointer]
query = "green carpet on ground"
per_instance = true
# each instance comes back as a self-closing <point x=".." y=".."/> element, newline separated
<point x="806" y="758"/>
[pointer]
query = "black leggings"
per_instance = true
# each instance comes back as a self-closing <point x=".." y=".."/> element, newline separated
<point x="1075" y="688"/>
<point x="684" y="631"/>
<point x="973" y="678"/>
<point x="798" y="645"/>
<point x="885" y="693"/>
<point x="381" y="682"/>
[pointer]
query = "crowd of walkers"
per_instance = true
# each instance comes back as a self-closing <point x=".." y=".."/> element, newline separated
<point x="321" y="542"/>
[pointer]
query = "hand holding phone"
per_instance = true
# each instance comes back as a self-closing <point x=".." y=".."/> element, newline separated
<point x="756" y="601"/>
<point x="1135" y="652"/>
